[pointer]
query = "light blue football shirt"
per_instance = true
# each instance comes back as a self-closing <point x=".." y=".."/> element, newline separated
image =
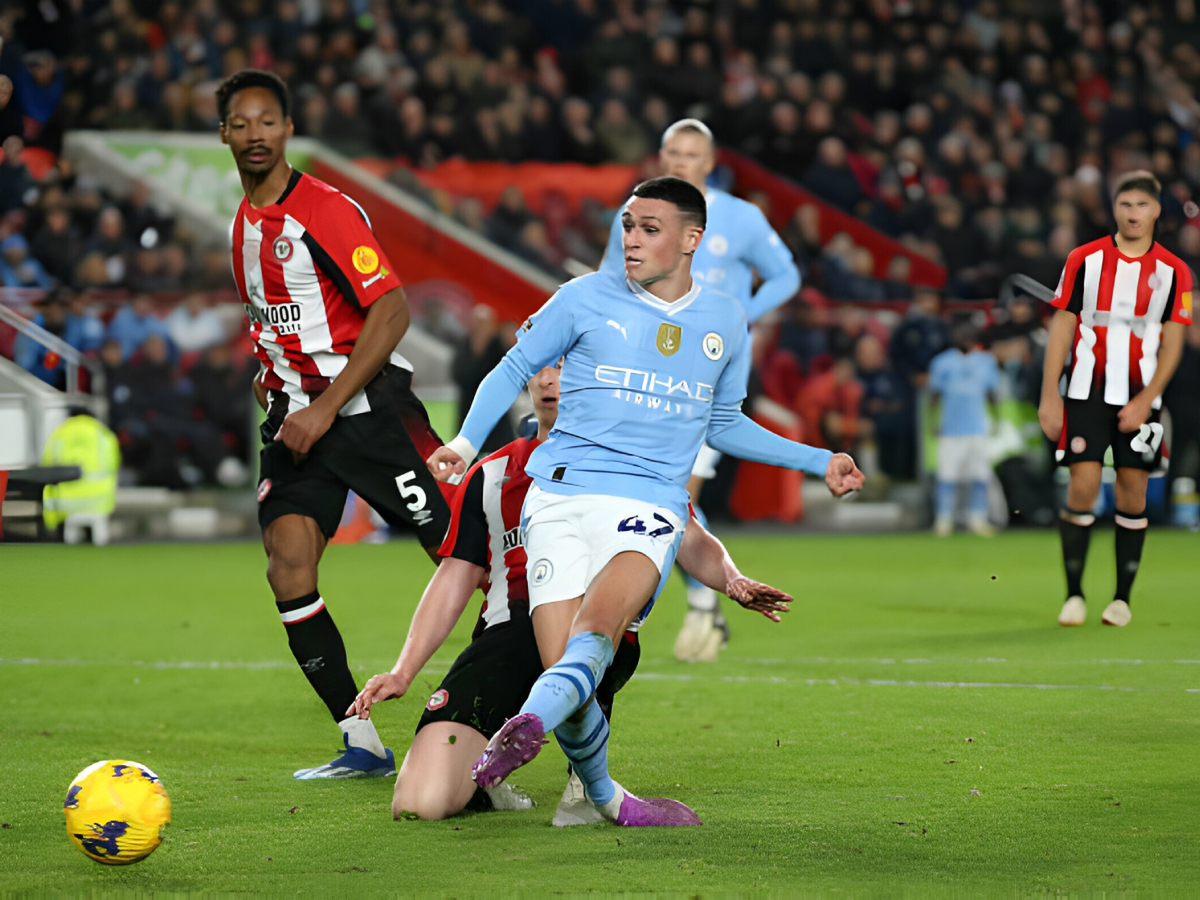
<point x="643" y="383"/>
<point x="964" y="380"/>
<point x="737" y="240"/>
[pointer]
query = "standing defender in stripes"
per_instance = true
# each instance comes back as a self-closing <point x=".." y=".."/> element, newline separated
<point x="326" y="312"/>
<point x="1123" y="305"/>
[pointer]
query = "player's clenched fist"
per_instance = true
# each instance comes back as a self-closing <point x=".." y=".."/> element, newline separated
<point x="1050" y="414"/>
<point x="303" y="428"/>
<point x="444" y="463"/>
<point x="842" y="475"/>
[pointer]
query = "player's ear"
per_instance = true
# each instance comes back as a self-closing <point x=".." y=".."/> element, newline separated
<point x="221" y="131"/>
<point x="289" y="126"/>
<point x="692" y="236"/>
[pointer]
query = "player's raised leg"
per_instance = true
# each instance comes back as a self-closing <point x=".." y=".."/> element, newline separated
<point x="294" y="545"/>
<point x="613" y="600"/>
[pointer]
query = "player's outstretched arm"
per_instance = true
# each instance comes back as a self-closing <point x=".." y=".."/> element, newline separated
<point x="1058" y="345"/>
<point x="441" y="606"/>
<point x="732" y="432"/>
<point x="705" y="558"/>
<point x="385" y="324"/>
<point x="544" y="339"/>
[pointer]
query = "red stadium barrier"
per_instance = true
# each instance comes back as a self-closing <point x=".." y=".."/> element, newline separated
<point x="766" y="492"/>
<point x="787" y="197"/>
<point x="608" y="184"/>
<point x="421" y="252"/>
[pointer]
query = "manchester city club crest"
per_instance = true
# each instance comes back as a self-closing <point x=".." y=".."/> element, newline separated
<point x="714" y="346"/>
<point x="541" y="572"/>
<point x="669" y="337"/>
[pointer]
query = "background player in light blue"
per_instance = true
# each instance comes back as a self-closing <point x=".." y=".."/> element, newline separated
<point x="964" y="379"/>
<point x="737" y="242"/>
<point x="652" y="365"/>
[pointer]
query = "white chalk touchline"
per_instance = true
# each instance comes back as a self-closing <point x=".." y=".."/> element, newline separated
<point x="437" y="666"/>
<point x="434" y="666"/>
<point x="924" y="661"/>
<point x="894" y="682"/>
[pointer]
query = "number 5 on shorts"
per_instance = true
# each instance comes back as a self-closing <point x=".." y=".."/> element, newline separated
<point x="411" y="490"/>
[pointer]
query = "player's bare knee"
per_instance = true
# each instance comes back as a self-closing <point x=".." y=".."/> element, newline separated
<point x="428" y="800"/>
<point x="1130" y="488"/>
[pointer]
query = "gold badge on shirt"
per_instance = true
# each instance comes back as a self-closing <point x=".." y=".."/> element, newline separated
<point x="365" y="260"/>
<point x="669" y="338"/>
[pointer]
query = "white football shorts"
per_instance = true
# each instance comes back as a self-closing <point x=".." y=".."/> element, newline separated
<point x="705" y="465"/>
<point x="963" y="458"/>
<point x="569" y="539"/>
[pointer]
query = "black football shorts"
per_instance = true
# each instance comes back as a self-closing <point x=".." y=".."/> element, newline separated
<point x="488" y="683"/>
<point x="1090" y="428"/>
<point x="380" y="455"/>
<point x="490" y="680"/>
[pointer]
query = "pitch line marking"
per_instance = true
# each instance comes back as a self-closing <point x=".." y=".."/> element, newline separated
<point x="894" y="682"/>
<point x="434" y="668"/>
<point x="926" y="661"/>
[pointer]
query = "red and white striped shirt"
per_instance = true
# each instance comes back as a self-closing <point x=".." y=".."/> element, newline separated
<point x="1122" y="303"/>
<point x="485" y="529"/>
<point x="307" y="268"/>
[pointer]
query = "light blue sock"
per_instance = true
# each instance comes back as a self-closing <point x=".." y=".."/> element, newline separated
<point x="979" y="497"/>
<point x="566" y="685"/>
<point x="584" y="739"/>
<point x="945" y="499"/>
<point x="691" y="582"/>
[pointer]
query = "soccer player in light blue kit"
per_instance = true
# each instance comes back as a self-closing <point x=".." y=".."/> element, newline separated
<point x="737" y="242"/>
<point x="652" y="365"/>
<point x="964" y="379"/>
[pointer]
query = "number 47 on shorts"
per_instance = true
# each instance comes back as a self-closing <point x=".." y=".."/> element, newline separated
<point x="637" y="526"/>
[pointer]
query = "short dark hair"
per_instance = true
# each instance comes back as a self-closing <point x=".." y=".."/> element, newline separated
<point x="675" y="190"/>
<point x="1138" y="180"/>
<point x="252" y="78"/>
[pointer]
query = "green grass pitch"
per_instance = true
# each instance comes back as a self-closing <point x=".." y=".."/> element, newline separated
<point x="918" y="725"/>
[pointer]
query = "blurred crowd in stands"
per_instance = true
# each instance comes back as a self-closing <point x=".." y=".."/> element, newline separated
<point x="980" y="134"/>
<point x="174" y="373"/>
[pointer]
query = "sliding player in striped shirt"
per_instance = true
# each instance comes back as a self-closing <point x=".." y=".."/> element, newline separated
<point x="1123" y="304"/>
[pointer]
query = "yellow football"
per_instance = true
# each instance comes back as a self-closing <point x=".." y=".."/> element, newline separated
<point x="116" y="811"/>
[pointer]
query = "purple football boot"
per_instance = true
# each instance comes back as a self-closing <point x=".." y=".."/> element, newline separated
<point x="648" y="812"/>
<point x="517" y="742"/>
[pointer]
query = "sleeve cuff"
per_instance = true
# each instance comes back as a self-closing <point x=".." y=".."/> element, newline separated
<point x="464" y="449"/>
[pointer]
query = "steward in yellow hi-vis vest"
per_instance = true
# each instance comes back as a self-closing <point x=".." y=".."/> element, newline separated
<point x="88" y="443"/>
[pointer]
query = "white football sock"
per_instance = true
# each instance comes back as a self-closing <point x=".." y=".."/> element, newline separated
<point x="702" y="598"/>
<point x="361" y="733"/>
<point x="610" y="809"/>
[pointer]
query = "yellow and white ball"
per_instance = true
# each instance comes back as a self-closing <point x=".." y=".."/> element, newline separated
<point x="116" y="811"/>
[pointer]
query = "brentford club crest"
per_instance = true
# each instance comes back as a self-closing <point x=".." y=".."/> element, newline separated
<point x="282" y="248"/>
<point x="264" y="488"/>
<point x="438" y="700"/>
